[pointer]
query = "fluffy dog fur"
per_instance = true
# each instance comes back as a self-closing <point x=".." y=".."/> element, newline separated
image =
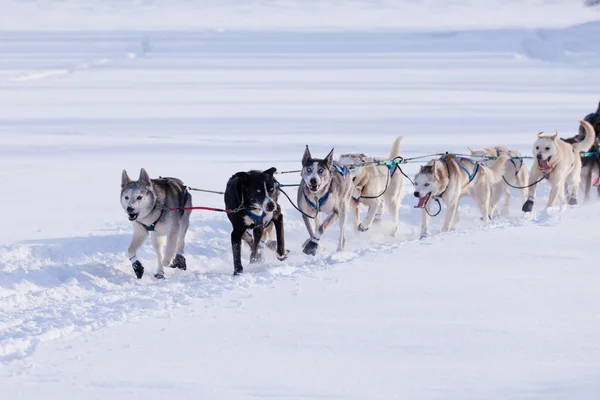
<point x="377" y="187"/>
<point x="560" y="163"/>
<point x="445" y="179"/>
<point x="515" y="172"/>
<point x="324" y="188"/>
<point x="146" y="202"/>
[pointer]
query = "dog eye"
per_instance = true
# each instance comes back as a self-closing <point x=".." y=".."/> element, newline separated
<point x="537" y="147"/>
<point x="126" y="197"/>
<point x="271" y="189"/>
<point x="139" y="197"/>
<point x="427" y="184"/>
<point x="547" y="148"/>
<point x="258" y="191"/>
<point x="309" y="169"/>
<point x="321" y="170"/>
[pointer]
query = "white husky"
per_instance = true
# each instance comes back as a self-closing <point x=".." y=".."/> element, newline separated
<point x="451" y="177"/>
<point x="376" y="186"/>
<point x="560" y="163"/>
<point x="515" y="173"/>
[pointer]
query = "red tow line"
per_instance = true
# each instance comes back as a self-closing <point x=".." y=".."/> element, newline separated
<point x="202" y="208"/>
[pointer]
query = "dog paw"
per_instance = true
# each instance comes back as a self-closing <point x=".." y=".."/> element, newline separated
<point x="179" y="262"/>
<point x="237" y="270"/>
<point x="361" y="228"/>
<point x="256" y="258"/>
<point x="423" y="236"/>
<point x="284" y="256"/>
<point x="311" y="248"/>
<point x="159" y="275"/>
<point x="528" y="206"/>
<point x="572" y="201"/>
<point x="138" y="269"/>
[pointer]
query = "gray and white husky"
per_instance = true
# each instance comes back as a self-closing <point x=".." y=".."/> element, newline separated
<point x="327" y="187"/>
<point x="147" y="203"/>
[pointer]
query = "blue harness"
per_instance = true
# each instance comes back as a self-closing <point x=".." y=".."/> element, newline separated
<point x="256" y="218"/>
<point x="471" y="175"/>
<point x="512" y="154"/>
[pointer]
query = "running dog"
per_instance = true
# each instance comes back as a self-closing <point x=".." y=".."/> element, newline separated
<point x="326" y="186"/>
<point x="560" y="163"/>
<point x="514" y="172"/>
<point x="252" y="198"/>
<point x="377" y="186"/>
<point x="589" y="165"/>
<point x="451" y="177"/>
<point x="147" y="203"/>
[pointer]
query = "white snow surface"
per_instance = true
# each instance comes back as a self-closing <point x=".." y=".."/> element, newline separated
<point x="507" y="311"/>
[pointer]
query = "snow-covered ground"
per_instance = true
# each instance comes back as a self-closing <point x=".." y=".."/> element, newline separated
<point x="500" y="312"/>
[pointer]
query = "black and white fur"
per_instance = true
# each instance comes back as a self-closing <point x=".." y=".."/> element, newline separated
<point x="319" y="179"/>
<point x="253" y="196"/>
<point x="146" y="202"/>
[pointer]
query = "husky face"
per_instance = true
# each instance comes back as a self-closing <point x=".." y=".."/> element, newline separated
<point x="426" y="185"/>
<point x="316" y="173"/>
<point x="544" y="149"/>
<point x="137" y="197"/>
<point x="259" y="190"/>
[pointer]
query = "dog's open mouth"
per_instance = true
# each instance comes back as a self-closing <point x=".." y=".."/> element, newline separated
<point x="423" y="201"/>
<point x="313" y="188"/>
<point x="132" y="217"/>
<point x="545" y="165"/>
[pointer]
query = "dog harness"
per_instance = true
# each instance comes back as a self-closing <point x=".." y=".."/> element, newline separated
<point x="341" y="169"/>
<point x="320" y="202"/>
<point x="150" y="228"/>
<point x="256" y="218"/>
<point x="471" y="175"/>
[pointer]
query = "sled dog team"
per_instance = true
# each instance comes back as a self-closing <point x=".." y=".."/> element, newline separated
<point x="159" y="206"/>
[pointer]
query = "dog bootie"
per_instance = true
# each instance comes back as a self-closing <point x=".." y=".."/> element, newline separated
<point x="311" y="248"/>
<point x="179" y="262"/>
<point x="361" y="228"/>
<point x="572" y="201"/>
<point x="159" y="274"/>
<point x="138" y="268"/>
<point x="528" y="206"/>
<point x="237" y="270"/>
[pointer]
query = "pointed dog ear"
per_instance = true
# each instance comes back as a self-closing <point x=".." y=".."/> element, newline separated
<point x="555" y="136"/>
<point x="270" y="171"/>
<point x="472" y="151"/>
<point x="598" y="110"/>
<point x="144" y="177"/>
<point x="242" y="176"/>
<point x="540" y="134"/>
<point x="307" y="156"/>
<point x="329" y="159"/>
<point x="125" y="180"/>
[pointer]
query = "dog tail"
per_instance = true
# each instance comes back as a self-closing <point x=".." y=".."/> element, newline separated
<point x="590" y="137"/>
<point x="396" y="148"/>
<point x="497" y="168"/>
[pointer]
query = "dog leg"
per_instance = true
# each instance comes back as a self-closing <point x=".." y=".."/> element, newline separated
<point x="424" y="223"/>
<point x="363" y="227"/>
<point x="379" y="213"/>
<point x="343" y="218"/>
<point x="139" y="236"/>
<point x="393" y="205"/>
<point x="179" y="261"/>
<point x="256" y="254"/>
<point x="554" y="192"/>
<point x="586" y="176"/>
<point x="157" y="244"/>
<point x="534" y="176"/>
<point x="236" y="247"/>
<point x="311" y="247"/>
<point x="450" y="215"/>
<point x="356" y="209"/>
<point x="282" y="253"/>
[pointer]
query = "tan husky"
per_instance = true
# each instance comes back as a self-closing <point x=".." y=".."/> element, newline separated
<point x="377" y="186"/>
<point x="515" y="173"/>
<point x="451" y="177"/>
<point x="560" y="163"/>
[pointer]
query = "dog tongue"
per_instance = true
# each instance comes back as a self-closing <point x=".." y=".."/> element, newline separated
<point x="422" y="201"/>
<point x="544" y="165"/>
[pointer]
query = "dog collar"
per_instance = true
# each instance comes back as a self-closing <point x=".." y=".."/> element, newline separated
<point x="321" y="201"/>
